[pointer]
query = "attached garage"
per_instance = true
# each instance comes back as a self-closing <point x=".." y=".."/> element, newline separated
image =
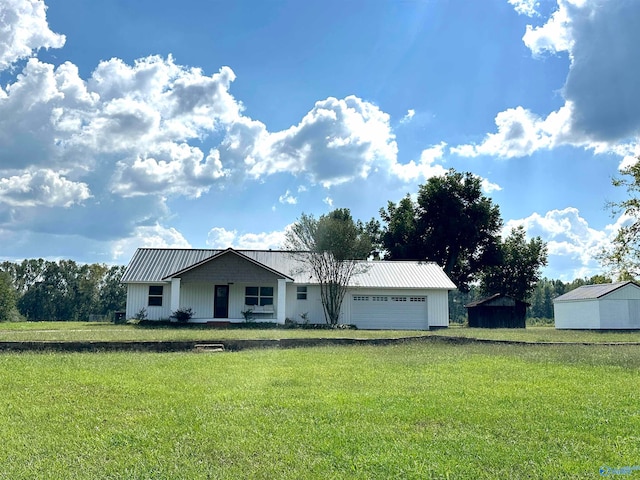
<point x="404" y="312"/>
<point x="606" y="306"/>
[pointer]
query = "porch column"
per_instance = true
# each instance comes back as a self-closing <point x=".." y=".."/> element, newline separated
<point x="282" y="300"/>
<point x="175" y="294"/>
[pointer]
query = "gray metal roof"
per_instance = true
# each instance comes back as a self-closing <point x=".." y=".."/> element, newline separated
<point x="155" y="265"/>
<point x="591" y="292"/>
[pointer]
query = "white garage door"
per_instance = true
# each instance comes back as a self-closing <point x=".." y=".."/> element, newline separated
<point x="391" y="312"/>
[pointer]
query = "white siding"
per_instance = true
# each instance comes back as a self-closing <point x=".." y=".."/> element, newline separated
<point x="312" y="306"/>
<point x="627" y="292"/>
<point x="390" y="315"/>
<point x="199" y="298"/>
<point x="138" y="298"/>
<point x="576" y="315"/>
<point x="619" y="314"/>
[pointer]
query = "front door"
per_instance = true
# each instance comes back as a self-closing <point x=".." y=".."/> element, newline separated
<point x="221" y="302"/>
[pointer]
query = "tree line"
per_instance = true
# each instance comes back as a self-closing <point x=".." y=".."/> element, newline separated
<point x="38" y="289"/>
<point x="540" y="301"/>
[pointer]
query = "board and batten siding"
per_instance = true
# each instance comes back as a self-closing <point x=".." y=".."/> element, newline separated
<point x="312" y="306"/>
<point x="138" y="298"/>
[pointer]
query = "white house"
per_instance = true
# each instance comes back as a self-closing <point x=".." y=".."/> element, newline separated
<point x="602" y="306"/>
<point x="218" y="285"/>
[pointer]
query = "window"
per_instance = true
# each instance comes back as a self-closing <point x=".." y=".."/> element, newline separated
<point x="418" y="299"/>
<point x="379" y="299"/>
<point x="155" y="295"/>
<point x="360" y="298"/>
<point x="258" y="296"/>
<point x="398" y="299"/>
<point x="301" y="293"/>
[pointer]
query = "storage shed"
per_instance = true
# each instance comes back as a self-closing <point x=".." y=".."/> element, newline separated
<point x="603" y="306"/>
<point x="497" y="311"/>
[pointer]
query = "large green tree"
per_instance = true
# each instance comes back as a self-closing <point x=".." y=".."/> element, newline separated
<point x="518" y="268"/>
<point x="329" y="248"/>
<point x="7" y="298"/>
<point x="623" y="256"/>
<point x="451" y="223"/>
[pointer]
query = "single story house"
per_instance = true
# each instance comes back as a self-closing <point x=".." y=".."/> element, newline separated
<point x="219" y="285"/>
<point x="497" y="311"/>
<point x="602" y="306"/>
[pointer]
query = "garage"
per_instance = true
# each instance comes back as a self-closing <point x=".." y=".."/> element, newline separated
<point x="397" y="312"/>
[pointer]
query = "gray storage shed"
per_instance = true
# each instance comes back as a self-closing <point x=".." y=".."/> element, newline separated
<point x="602" y="306"/>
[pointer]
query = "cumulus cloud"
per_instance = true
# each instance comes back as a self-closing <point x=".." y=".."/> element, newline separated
<point x="42" y="188"/>
<point x="24" y="29"/>
<point x="568" y="236"/>
<point x="337" y="141"/>
<point x="222" y="238"/>
<point x="425" y="168"/>
<point x="602" y="108"/>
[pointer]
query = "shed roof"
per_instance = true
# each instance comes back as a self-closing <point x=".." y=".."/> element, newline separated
<point x="592" y="292"/>
<point x="155" y="265"/>
<point x="496" y="300"/>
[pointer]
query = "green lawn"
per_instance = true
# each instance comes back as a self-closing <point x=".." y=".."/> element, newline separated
<point x="416" y="410"/>
<point x="86" y="331"/>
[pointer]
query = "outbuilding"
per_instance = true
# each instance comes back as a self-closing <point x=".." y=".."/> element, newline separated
<point x="602" y="306"/>
<point x="497" y="311"/>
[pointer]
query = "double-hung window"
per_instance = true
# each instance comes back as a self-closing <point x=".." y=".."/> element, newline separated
<point x="155" y="295"/>
<point x="301" y="293"/>
<point x="258" y="296"/>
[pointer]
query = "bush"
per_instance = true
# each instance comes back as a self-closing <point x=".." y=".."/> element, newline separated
<point x="183" y="315"/>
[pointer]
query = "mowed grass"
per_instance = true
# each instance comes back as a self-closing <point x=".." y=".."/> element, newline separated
<point x="95" y="331"/>
<point x="413" y="410"/>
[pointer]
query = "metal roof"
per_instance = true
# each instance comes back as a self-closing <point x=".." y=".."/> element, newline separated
<point x="155" y="265"/>
<point x="592" y="292"/>
<point x="493" y="298"/>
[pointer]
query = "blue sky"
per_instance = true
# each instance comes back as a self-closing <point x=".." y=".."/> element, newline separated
<point x="213" y="123"/>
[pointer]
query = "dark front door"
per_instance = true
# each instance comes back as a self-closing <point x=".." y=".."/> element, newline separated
<point x="221" y="302"/>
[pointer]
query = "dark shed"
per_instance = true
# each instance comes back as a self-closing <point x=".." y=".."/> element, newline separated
<point x="497" y="311"/>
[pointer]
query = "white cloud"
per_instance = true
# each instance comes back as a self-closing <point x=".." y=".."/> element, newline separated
<point x="42" y="188"/>
<point x="425" y="168"/>
<point x="171" y="170"/>
<point x="328" y="200"/>
<point x="553" y="36"/>
<point x="407" y="118"/>
<point x="155" y="236"/>
<point x="23" y="30"/>
<point x="222" y="238"/>
<point x="288" y="198"/>
<point x="572" y="244"/>
<point x="488" y="187"/>
<point x="525" y="7"/>
<point x="337" y="141"/>
<point x="602" y="108"/>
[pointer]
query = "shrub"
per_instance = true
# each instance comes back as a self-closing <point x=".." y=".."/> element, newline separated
<point x="247" y="314"/>
<point x="141" y="315"/>
<point x="183" y="315"/>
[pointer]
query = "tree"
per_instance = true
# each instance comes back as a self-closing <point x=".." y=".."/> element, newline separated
<point x="452" y="223"/>
<point x="329" y="248"/>
<point x="7" y="298"/>
<point x="518" y="269"/>
<point x="623" y="256"/>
